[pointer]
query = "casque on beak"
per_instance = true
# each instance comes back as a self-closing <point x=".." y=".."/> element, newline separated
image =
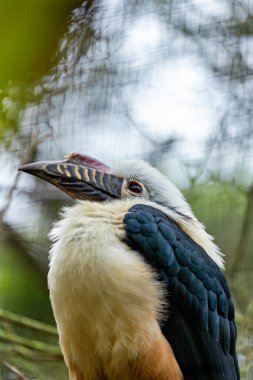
<point x="80" y="176"/>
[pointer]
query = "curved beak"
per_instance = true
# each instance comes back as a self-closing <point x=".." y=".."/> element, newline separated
<point x="78" y="180"/>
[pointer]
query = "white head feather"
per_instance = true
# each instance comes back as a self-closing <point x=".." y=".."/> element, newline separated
<point x="165" y="196"/>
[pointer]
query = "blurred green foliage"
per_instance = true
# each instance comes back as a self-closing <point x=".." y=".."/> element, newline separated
<point x="23" y="290"/>
<point x="211" y="202"/>
<point x="30" y="31"/>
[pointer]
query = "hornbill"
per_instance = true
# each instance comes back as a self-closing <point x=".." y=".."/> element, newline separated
<point x="136" y="283"/>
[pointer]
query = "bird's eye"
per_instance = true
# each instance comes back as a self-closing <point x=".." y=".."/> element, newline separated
<point x="134" y="187"/>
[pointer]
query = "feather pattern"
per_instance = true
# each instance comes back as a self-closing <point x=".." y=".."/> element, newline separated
<point x="200" y="324"/>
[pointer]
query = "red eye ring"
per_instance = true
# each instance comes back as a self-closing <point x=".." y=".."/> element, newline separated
<point x="134" y="187"/>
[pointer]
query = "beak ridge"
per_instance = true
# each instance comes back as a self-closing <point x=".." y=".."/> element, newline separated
<point x="78" y="181"/>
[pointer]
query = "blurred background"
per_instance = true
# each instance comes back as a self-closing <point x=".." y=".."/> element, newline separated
<point x="167" y="81"/>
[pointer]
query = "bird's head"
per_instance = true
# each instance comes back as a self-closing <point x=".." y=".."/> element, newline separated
<point x="85" y="178"/>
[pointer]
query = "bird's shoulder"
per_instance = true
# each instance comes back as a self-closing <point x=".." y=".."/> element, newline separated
<point x="196" y="285"/>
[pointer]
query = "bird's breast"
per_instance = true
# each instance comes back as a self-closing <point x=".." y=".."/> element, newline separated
<point x="104" y="296"/>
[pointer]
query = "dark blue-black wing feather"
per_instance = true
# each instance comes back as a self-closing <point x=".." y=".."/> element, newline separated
<point x="200" y="325"/>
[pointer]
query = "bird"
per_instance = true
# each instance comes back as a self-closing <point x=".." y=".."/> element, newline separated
<point x="136" y="283"/>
